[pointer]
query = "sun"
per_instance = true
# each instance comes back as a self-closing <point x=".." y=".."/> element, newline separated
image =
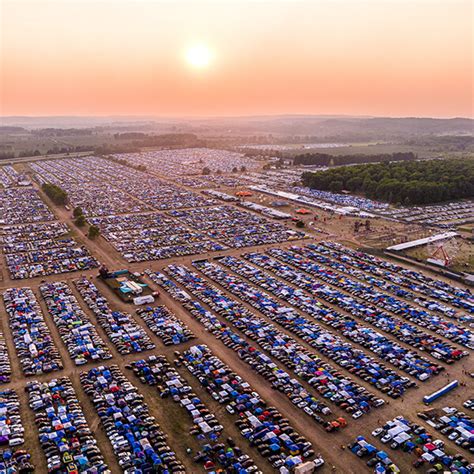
<point x="199" y="56"/>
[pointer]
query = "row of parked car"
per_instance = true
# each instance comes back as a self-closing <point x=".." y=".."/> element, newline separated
<point x="418" y="292"/>
<point x="373" y="371"/>
<point x="165" y="325"/>
<point x="453" y="423"/>
<point x="255" y="358"/>
<point x="137" y="439"/>
<point x="11" y="427"/>
<point x="64" y="435"/>
<point x="407" y="436"/>
<point x="342" y="262"/>
<point x="33" y="341"/>
<point x="336" y="273"/>
<point x="416" y="281"/>
<point x="402" y="329"/>
<point x="265" y="428"/>
<point x="127" y="336"/>
<point x="371" y="292"/>
<point x="341" y="390"/>
<point x="76" y="330"/>
<point x="5" y="366"/>
<point x="214" y="453"/>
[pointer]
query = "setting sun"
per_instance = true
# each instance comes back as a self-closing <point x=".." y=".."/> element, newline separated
<point x="198" y="56"/>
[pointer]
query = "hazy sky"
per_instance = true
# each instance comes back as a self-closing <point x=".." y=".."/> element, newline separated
<point x="377" y="57"/>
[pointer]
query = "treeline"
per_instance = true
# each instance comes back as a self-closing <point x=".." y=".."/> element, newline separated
<point x="63" y="132"/>
<point x="124" y="162"/>
<point x="418" y="182"/>
<point x="55" y="193"/>
<point x="326" y="159"/>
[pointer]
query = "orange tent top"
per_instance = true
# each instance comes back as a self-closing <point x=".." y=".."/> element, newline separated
<point x="303" y="211"/>
<point x="243" y="193"/>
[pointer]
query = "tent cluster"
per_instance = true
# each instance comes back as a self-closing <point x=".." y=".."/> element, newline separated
<point x="430" y="298"/>
<point x="33" y="341"/>
<point x="409" y="437"/>
<point x="308" y="366"/>
<point x="439" y="290"/>
<point x="369" y="292"/>
<point x="76" y="330"/>
<point x="453" y="423"/>
<point x="165" y="325"/>
<point x="204" y="427"/>
<point x="377" y="374"/>
<point x="234" y="227"/>
<point x="153" y="236"/>
<point x="137" y="439"/>
<point x="12" y="457"/>
<point x="39" y="249"/>
<point x="338" y="289"/>
<point x="385" y="348"/>
<point x="340" y="199"/>
<point x="127" y="336"/>
<point x="262" y="425"/>
<point x="446" y="216"/>
<point x="209" y="181"/>
<point x="190" y="161"/>
<point x="255" y="358"/>
<point x="64" y="434"/>
<point x="22" y="205"/>
<point x="123" y="190"/>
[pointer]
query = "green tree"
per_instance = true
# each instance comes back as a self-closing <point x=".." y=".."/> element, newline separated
<point x="80" y="221"/>
<point x="94" y="232"/>
<point x="77" y="212"/>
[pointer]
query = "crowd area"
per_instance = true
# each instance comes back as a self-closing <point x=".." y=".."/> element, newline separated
<point x="33" y="341"/>
<point x="9" y="176"/>
<point x="127" y="336"/>
<point x="263" y="425"/>
<point x="65" y="436"/>
<point x="76" y="330"/>
<point x="347" y="356"/>
<point x="165" y="325"/>
<point x="214" y="452"/>
<point x="136" y="437"/>
<point x="190" y="161"/>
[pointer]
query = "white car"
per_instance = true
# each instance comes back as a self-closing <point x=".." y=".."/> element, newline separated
<point x="377" y="432"/>
<point x="386" y="438"/>
<point x="357" y="414"/>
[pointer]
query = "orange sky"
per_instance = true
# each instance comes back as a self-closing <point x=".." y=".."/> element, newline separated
<point x="375" y="57"/>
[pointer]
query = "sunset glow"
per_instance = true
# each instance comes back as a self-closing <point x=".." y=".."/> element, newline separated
<point x="373" y="57"/>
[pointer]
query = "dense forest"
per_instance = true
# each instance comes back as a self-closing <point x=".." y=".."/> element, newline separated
<point x="417" y="182"/>
<point x="326" y="159"/>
